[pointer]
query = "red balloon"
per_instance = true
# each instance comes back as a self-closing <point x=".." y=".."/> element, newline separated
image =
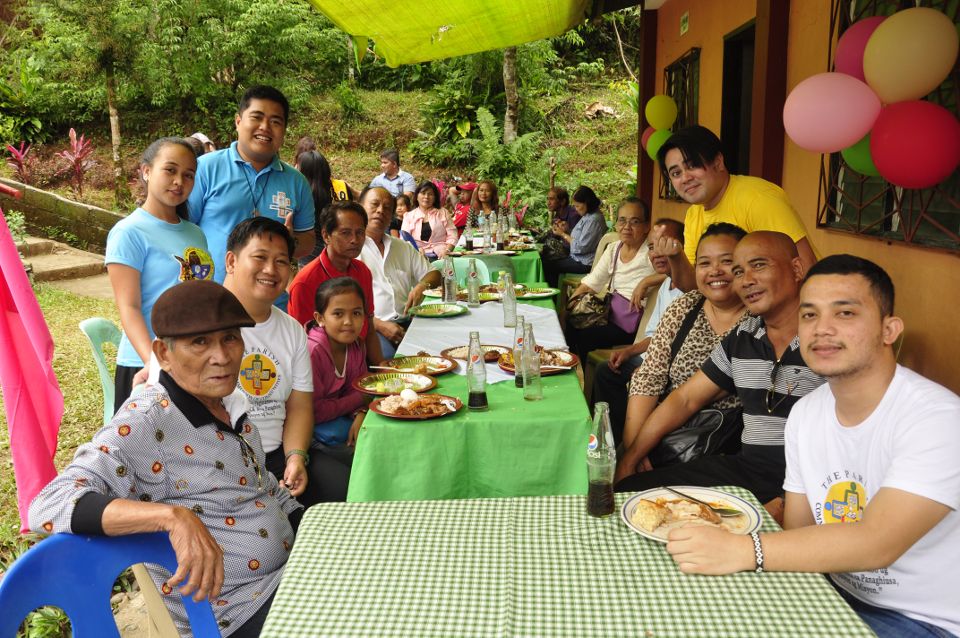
<point x="915" y="144"/>
<point x="647" y="132"/>
<point x="851" y="45"/>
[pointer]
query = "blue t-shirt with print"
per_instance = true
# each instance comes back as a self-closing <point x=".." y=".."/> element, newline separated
<point x="227" y="190"/>
<point x="164" y="253"/>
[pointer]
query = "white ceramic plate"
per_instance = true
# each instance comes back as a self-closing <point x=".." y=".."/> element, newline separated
<point x="749" y="522"/>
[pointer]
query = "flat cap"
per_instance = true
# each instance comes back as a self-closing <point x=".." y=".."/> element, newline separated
<point x="196" y="307"/>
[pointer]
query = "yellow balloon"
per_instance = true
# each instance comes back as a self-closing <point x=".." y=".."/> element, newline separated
<point x="910" y="54"/>
<point x="661" y="112"/>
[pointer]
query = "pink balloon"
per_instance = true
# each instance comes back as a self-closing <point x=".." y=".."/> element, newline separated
<point x="828" y="112"/>
<point x="915" y="144"/>
<point x="851" y="45"/>
<point x="647" y="132"/>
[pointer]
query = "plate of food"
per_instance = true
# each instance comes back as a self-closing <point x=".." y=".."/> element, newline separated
<point x="485" y="296"/>
<point x="438" y="310"/>
<point x="411" y="406"/>
<point x="551" y="361"/>
<point x="490" y="353"/>
<point x="492" y="288"/>
<point x="653" y="513"/>
<point x="417" y="364"/>
<point x="538" y="293"/>
<point x="385" y="383"/>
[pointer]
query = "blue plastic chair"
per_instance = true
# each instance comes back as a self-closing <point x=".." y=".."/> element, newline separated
<point x="76" y="573"/>
<point x="100" y="331"/>
<point x="405" y="236"/>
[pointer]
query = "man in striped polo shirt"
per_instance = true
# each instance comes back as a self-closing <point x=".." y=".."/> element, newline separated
<point x="760" y="362"/>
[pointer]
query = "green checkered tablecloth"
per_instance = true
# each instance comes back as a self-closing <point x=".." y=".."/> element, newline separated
<point x="524" y="567"/>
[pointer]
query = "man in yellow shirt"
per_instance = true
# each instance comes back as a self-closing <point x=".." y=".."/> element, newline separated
<point x="693" y="162"/>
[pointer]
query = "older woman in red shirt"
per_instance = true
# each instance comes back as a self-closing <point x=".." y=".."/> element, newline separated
<point x="431" y="227"/>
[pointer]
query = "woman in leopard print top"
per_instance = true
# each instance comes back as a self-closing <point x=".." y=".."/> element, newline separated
<point x="722" y="310"/>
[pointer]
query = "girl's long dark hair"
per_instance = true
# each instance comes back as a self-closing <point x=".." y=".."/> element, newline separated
<point x="337" y="286"/>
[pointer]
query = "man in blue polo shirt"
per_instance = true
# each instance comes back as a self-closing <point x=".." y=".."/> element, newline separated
<point x="248" y="179"/>
<point x="759" y="362"/>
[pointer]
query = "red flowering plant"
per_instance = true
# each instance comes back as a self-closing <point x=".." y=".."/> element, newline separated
<point x="21" y="162"/>
<point x="78" y="160"/>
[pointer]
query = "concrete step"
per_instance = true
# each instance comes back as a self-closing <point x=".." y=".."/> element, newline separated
<point x="97" y="286"/>
<point x="37" y="246"/>
<point x="58" y="261"/>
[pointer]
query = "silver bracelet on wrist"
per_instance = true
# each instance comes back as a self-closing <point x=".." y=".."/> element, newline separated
<point x="758" y="550"/>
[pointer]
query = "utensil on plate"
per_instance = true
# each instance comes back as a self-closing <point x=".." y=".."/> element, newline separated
<point x="723" y="512"/>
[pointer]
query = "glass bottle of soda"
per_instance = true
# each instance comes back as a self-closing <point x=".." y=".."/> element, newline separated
<point x="509" y="299"/>
<point x="518" y="352"/>
<point x="468" y="235"/>
<point x="601" y="462"/>
<point x="532" y="385"/>
<point x="476" y="375"/>
<point x="473" y="284"/>
<point x="449" y="280"/>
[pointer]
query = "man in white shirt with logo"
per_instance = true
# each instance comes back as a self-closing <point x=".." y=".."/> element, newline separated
<point x="872" y="482"/>
<point x="396" y="266"/>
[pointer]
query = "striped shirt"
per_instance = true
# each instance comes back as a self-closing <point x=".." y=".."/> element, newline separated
<point x="746" y="364"/>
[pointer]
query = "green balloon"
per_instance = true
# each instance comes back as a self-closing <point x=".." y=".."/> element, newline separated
<point x="859" y="159"/>
<point x="656" y="141"/>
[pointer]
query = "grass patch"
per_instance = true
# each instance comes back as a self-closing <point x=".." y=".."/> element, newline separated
<point x="83" y="398"/>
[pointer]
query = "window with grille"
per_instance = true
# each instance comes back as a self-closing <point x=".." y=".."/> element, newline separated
<point x="681" y="81"/>
<point x="851" y="202"/>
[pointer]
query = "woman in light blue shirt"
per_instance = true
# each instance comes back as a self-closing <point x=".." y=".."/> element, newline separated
<point x="583" y="238"/>
<point x="152" y="249"/>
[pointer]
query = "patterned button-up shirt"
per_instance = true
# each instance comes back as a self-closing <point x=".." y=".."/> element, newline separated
<point x="165" y="447"/>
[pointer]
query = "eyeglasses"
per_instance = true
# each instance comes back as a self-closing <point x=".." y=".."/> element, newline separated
<point x="635" y="222"/>
<point x="249" y="455"/>
<point x="772" y="401"/>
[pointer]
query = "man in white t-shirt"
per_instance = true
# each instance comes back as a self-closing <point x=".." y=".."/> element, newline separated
<point x="275" y="374"/>
<point x="872" y="482"/>
<point x="396" y="267"/>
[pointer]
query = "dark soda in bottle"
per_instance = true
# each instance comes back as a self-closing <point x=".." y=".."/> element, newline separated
<point x="601" y="462"/>
<point x="476" y="375"/>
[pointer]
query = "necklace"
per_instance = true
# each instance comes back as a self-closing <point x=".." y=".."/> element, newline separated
<point x="255" y="198"/>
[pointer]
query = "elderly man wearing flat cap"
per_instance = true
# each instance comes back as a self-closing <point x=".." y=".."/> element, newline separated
<point x="181" y="457"/>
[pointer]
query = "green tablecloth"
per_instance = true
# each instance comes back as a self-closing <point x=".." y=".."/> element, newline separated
<point x="524" y="567"/>
<point x="526" y="266"/>
<point x="516" y="448"/>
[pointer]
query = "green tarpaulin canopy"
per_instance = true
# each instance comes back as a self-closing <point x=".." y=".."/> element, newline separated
<point x="408" y="32"/>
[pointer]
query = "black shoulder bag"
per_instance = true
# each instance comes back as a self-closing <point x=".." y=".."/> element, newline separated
<point x="709" y="431"/>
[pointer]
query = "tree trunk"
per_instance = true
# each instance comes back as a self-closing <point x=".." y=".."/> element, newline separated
<point x="513" y="99"/>
<point x="120" y="192"/>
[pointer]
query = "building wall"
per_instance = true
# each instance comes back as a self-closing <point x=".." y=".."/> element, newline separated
<point x="927" y="281"/>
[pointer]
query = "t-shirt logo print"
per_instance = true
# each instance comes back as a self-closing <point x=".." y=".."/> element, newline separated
<point x="196" y="263"/>
<point x="258" y="375"/>
<point x="844" y="503"/>
<point x="281" y="205"/>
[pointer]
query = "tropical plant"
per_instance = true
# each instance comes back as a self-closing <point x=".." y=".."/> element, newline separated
<point x="351" y="107"/>
<point x="20" y="161"/>
<point x="17" y="225"/>
<point x="496" y="160"/>
<point x="78" y="161"/>
<point x="19" y="113"/>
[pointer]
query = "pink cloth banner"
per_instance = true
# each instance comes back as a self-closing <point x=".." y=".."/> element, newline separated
<point x="31" y="394"/>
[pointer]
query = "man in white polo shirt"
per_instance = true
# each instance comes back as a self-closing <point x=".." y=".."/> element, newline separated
<point x="396" y="268"/>
<point x="872" y="482"/>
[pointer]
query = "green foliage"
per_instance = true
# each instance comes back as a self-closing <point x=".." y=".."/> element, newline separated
<point x="351" y="107"/>
<point x="494" y="159"/>
<point x="17" y="225"/>
<point x="629" y="92"/>
<point x="20" y="119"/>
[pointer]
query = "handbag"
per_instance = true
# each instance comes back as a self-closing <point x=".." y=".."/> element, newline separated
<point x="554" y="248"/>
<point x="623" y="315"/>
<point x="709" y="431"/>
<point x="589" y="311"/>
